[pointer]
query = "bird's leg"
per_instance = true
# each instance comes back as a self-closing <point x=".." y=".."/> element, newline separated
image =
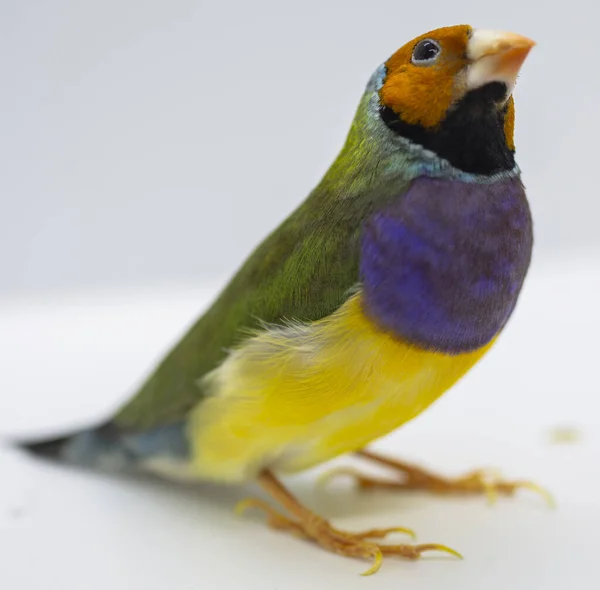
<point x="480" y="481"/>
<point x="308" y="525"/>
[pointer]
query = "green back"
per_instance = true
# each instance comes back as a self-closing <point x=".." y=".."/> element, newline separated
<point x="303" y="271"/>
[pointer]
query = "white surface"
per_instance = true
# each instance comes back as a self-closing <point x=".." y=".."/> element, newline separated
<point x="68" y="361"/>
<point x="148" y="141"/>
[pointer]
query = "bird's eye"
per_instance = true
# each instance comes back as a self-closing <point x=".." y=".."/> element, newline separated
<point x="425" y="51"/>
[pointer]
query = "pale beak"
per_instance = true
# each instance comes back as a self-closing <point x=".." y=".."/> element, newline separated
<point x="496" y="56"/>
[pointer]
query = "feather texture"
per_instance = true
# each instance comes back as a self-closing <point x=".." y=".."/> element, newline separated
<point x="292" y="397"/>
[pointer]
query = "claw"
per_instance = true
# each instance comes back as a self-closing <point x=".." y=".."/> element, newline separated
<point x="377" y="559"/>
<point x="415" y="551"/>
<point x="534" y="487"/>
<point x="486" y="481"/>
<point x="244" y="505"/>
<point x="308" y="525"/>
<point x="442" y="548"/>
<point x="491" y="492"/>
<point x="248" y="503"/>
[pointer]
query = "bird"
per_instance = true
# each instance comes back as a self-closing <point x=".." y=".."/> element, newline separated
<point x="380" y="291"/>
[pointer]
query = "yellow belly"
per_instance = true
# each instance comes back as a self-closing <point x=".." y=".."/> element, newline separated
<point x="292" y="397"/>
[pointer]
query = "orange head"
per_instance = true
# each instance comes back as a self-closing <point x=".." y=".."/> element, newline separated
<point x="453" y="83"/>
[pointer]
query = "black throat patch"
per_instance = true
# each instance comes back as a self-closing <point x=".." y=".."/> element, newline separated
<point x="471" y="137"/>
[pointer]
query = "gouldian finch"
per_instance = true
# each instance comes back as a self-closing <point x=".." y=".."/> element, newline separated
<point x="382" y="289"/>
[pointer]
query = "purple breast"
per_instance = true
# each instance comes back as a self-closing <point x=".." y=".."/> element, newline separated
<point x="443" y="266"/>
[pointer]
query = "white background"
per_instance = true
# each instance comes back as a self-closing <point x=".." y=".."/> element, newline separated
<point x="69" y="362"/>
<point x="145" y="147"/>
<point x="146" y="141"/>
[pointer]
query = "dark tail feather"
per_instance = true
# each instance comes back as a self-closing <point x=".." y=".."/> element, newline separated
<point x="96" y="447"/>
<point x="47" y="449"/>
<point x="108" y="447"/>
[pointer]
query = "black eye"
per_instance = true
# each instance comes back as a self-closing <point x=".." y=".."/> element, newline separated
<point x="425" y="51"/>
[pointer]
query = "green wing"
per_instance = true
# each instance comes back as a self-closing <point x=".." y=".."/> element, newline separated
<point x="302" y="271"/>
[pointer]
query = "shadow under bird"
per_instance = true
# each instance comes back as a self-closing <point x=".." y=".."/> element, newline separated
<point x="386" y="285"/>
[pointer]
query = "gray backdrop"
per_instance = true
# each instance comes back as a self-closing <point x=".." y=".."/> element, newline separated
<point x="147" y="142"/>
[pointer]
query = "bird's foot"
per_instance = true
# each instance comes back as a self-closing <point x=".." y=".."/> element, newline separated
<point x="477" y="482"/>
<point x="312" y="527"/>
